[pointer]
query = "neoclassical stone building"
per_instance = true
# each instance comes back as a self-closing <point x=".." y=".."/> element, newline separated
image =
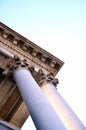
<point x="28" y="86"/>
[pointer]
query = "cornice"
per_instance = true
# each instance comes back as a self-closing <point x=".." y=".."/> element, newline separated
<point x="29" y="50"/>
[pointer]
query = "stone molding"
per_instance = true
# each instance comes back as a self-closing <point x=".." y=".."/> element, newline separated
<point x="29" y="50"/>
<point x="14" y="64"/>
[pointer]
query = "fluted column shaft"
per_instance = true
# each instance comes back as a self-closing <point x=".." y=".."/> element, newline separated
<point x="66" y="114"/>
<point x="42" y="113"/>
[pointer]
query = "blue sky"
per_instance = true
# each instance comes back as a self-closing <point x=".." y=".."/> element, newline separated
<point x="58" y="26"/>
<point x="38" y="14"/>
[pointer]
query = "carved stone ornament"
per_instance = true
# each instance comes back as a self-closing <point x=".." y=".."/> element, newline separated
<point x="43" y="78"/>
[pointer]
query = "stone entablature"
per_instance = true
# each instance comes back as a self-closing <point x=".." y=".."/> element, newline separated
<point x="25" y="49"/>
<point x="43" y="66"/>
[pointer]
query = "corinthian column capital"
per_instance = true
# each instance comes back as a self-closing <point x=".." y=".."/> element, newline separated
<point x="47" y="78"/>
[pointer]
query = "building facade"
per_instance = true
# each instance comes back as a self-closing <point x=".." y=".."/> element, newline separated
<point x="28" y="85"/>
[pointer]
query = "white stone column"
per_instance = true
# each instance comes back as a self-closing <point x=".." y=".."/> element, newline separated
<point x="6" y="53"/>
<point x="42" y="113"/>
<point x="66" y="114"/>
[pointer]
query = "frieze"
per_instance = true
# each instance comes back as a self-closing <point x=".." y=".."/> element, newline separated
<point x="29" y="50"/>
